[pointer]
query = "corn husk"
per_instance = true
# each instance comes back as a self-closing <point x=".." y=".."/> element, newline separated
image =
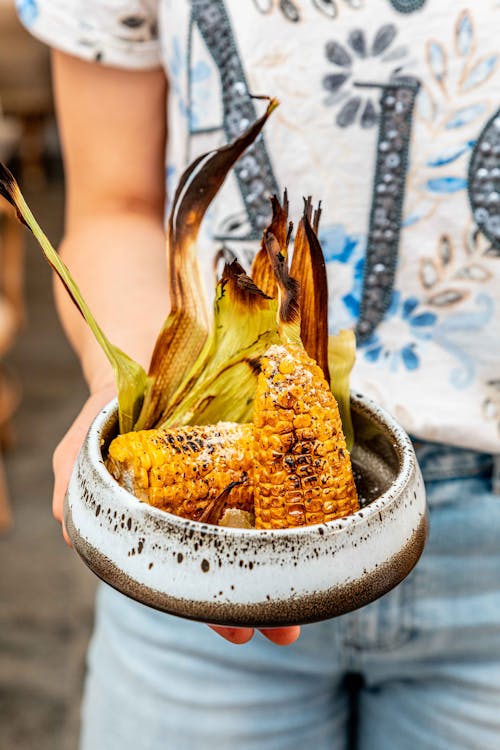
<point x="130" y="377"/>
<point x="186" y="329"/>
<point x="262" y="271"/>
<point x="202" y="374"/>
<point x="222" y="383"/>
<point x="143" y="398"/>
<point x="308" y="265"/>
<point x="341" y="357"/>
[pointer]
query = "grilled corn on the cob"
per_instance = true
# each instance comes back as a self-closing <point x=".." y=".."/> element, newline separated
<point x="302" y="470"/>
<point x="183" y="470"/>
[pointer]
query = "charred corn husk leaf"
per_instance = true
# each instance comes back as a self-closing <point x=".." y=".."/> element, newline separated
<point x="262" y="271"/>
<point x="219" y="505"/>
<point x="341" y="356"/>
<point x="288" y="292"/>
<point x="184" y="470"/>
<point x="308" y="265"/>
<point x="130" y="377"/>
<point x="186" y="328"/>
<point x="302" y="470"/>
<point x="222" y="383"/>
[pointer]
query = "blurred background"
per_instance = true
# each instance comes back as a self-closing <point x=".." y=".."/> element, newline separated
<point x="46" y="593"/>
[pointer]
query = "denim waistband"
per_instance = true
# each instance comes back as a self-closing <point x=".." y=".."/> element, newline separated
<point x="441" y="462"/>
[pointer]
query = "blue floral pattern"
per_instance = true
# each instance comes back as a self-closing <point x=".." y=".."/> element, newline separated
<point x="178" y="69"/>
<point x="200" y="93"/>
<point x="199" y="76"/>
<point x="28" y="11"/>
<point x="448" y="106"/>
<point x="344" y="254"/>
<point x="454" y="331"/>
<point x="419" y="325"/>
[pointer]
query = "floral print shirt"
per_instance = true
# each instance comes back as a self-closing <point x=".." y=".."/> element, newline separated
<point x="390" y="114"/>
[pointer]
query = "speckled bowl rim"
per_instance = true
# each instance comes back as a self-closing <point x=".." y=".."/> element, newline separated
<point x="396" y="521"/>
<point x="402" y="445"/>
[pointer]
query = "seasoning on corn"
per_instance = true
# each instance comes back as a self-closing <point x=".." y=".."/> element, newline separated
<point x="183" y="470"/>
<point x="302" y="471"/>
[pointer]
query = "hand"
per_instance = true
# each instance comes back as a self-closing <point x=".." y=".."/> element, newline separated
<point x="66" y="452"/>
<point x="63" y="461"/>
<point x="279" y="636"/>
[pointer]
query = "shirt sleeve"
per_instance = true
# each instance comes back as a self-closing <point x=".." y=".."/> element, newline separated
<point x="121" y="33"/>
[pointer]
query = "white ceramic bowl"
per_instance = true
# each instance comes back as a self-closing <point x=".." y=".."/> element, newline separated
<point x="246" y="577"/>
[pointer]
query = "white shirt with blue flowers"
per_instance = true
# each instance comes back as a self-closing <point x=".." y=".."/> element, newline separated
<point x="390" y="114"/>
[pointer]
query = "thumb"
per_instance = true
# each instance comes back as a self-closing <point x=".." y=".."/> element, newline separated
<point x="67" y="450"/>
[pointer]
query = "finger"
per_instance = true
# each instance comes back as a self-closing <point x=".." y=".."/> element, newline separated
<point x="282" y="636"/>
<point x="66" y="535"/>
<point x="62" y="474"/>
<point x="61" y="480"/>
<point x="234" y="635"/>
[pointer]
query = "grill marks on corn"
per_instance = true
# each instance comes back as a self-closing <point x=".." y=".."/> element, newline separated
<point x="302" y="470"/>
<point x="183" y="470"/>
<point x="290" y="466"/>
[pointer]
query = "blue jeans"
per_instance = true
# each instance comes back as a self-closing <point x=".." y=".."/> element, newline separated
<point x="419" y="669"/>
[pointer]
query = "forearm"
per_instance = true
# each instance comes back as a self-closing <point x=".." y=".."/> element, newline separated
<point x="118" y="260"/>
<point x="113" y="141"/>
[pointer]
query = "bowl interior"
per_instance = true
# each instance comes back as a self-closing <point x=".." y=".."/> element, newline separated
<point x="377" y="455"/>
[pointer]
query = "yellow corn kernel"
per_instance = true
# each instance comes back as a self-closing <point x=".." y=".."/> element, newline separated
<point x="184" y="469"/>
<point x="302" y="469"/>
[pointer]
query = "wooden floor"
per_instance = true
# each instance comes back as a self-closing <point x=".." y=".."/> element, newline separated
<point x="46" y="593"/>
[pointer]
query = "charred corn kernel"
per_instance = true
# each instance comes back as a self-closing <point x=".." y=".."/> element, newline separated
<point x="182" y="470"/>
<point x="299" y="450"/>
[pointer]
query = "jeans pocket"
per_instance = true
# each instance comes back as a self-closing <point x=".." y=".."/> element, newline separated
<point x="388" y="622"/>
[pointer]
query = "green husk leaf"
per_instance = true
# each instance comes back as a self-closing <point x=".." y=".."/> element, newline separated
<point x="221" y="385"/>
<point x="341" y="357"/>
<point x="308" y="265"/>
<point x="186" y="329"/>
<point x="130" y="377"/>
